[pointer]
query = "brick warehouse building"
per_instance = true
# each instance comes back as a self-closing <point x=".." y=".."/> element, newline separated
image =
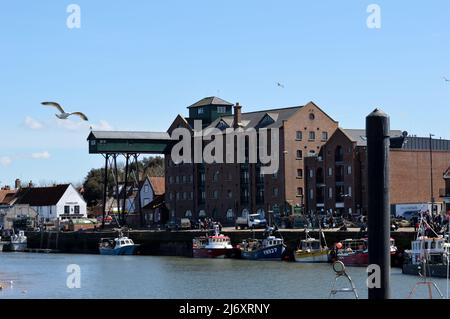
<point x="224" y="191"/>
<point x="337" y="178"/>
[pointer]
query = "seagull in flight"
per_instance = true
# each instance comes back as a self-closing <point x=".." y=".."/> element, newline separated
<point x="280" y="85"/>
<point x="63" y="114"/>
<point x="446" y="80"/>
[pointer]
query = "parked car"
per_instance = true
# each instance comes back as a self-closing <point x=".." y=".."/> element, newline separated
<point x="172" y="226"/>
<point x="185" y="224"/>
<point x="251" y="221"/>
<point x="409" y="215"/>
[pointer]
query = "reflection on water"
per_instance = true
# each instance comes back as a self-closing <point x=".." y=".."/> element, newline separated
<point x="45" y="276"/>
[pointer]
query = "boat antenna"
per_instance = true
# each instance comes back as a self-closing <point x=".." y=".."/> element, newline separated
<point x="423" y="256"/>
<point x="447" y="252"/>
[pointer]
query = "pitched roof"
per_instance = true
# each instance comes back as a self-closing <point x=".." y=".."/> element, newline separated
<point x="359" y="135"/>
<point x="6" y="196"/>
<point x="158" y="184"/>
<point x="117" y="135"/>
<point x="423" y="143"/>
<point x="157" y="202"/>
<point x="447" y="173"/>
<point x="252" y="119"/>
<point x="41" y="196"/>
<point x="211" y="100"/>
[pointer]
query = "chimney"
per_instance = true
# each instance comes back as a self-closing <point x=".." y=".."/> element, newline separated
<point x="30" y="184"/>
<point x="17" y="184"/>
<point x="237" y="115"/>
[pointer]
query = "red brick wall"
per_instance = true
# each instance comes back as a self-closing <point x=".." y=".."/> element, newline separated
<point x="410" y="175"/>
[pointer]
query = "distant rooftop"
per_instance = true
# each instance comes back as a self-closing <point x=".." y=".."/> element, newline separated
<point x="126" y="135"/>
<point x="359" y="135"/>
<point x="423" y="143"/>
<point x="408" y="143"/>
<point x="211" y="100"/>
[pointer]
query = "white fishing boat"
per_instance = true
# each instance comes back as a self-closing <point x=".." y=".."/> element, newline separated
<point x="18" y="241"/>
<point x="2" y="244"/>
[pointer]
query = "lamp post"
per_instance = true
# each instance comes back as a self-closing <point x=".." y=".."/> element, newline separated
<point x="431" y="174"/>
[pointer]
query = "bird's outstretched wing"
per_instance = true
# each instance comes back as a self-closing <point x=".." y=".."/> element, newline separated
<point x="84" y="117"/>
<point x="54" y="104"/>
<point x="446" y="80"/>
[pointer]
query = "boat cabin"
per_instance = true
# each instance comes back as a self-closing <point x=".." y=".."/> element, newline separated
<point x="310" y="244"/>
<point x="116" y="242"/>
<point x="431" y="249"/>
<point x="272" y="241"/>
<point x="354" y="244"/>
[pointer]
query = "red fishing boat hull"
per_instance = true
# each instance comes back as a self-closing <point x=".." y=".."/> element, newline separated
<point x="356" y="259"/>
<point x="212" y="253"/>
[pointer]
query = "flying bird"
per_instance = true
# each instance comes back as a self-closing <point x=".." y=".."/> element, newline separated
<point x="446" y="80"/>
<point x="280" y="85"/>
<point x="63" y="114"/>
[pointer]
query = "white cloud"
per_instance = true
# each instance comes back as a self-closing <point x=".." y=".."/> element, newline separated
<point x="41" y="155"/>
<point x="78" y="126"/>
<point x="102" y="126"/>
<point x="32" y="123"/>
<point x="5" y="161"/>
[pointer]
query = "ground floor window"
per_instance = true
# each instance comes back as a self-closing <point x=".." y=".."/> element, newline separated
<point x="230" y="214"/>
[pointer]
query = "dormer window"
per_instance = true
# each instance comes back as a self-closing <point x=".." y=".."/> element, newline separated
<point x="265" y="121"/>
<point x="221" y="109"/>
<point x="222" y="125"/>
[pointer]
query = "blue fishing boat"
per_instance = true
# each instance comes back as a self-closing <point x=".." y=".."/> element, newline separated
<point x="121" y="245"/>
<point x="270" y="248"/>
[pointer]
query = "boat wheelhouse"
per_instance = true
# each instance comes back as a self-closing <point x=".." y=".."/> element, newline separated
<point x="214" y="246"/>
<point x="270" y="248"/>
<point x="121" y="245"/>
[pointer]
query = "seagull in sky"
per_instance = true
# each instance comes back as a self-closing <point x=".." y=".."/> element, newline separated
<point x="63" y="114"/>
<point x="280" y="85"/>
<point x="446" y="80"/>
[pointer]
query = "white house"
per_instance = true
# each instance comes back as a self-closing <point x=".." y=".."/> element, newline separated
<point x="149" y="188"/>
<point x="51" y="203"/>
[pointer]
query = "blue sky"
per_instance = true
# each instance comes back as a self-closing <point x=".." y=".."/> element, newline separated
<point x="135" y="65"/>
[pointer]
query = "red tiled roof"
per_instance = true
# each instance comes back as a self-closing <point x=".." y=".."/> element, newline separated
<point x="158" y="184"/>
<point x="41" y="196"/>
<point x="6" y="196"/>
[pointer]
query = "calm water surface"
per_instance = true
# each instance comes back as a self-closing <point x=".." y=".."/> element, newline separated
<point x="44" y="276"/>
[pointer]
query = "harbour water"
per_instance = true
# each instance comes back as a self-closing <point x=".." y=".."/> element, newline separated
<point x="43" y="276"/>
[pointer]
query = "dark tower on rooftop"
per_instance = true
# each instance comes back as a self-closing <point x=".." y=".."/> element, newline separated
<point x="209" y="109"/>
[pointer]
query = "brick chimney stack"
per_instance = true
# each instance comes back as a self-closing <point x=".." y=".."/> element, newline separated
<point x="237" y="115"/>
<point x="17" y="184"/>
<point x="30" y="184"/>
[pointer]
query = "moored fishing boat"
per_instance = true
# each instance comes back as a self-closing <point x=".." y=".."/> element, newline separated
<point x="428" y="257"/>
<point x="18" y="242"/>
<point x="311" y="250"/>
<point x="120" y="245"/>
<point x="1" y="244"/>
<point x="355" y="252"/>
<point x="270" y="248"/>
<point x="216" y="246"/>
